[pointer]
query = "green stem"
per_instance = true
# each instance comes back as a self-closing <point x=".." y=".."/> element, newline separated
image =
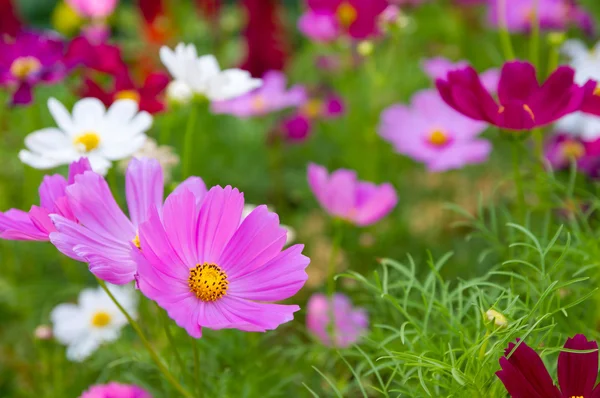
<point x="534" y="45"/>
<point x="159" y="363"/>
<point x="335" y="248"/>
<point x="507" y="47"/>
<point x="197" y="366"/>
<point x="538" y="139"/>
<point x="518" y="181"/>
<point x="166" y="324"/>
<point x="188" y="142"/>
<point x="166" y="128"/>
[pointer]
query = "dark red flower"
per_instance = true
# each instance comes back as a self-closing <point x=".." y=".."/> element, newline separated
<point x="265" y="38"/>
<point x="100" y="57"/>
<point x="147" y="95"/>
<point x="525" y="376"/>
<point x="209" y="8"/>
<point x="522" y="102"/>
<point x="10" y="24"/>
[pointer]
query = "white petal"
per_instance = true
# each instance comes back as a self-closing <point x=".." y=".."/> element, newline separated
<point x="99" y="163"/>
<point x="61" y="116"/>
<point x="82" y="348"/>
<point x="68" y="323"/>
<point x="47" y="140"/>
<point x="171" y="62"/>
<point x="140" y="123"/>
<point x="232" y="83"/>
<point x="574" y="49"/>
<point x="88" y="113"/>
<point x="123" y="149"/>
<point x="45" y="161"/>
<point x="208" y="66"/>
<point x="179" y="92"/>
<point x="121" y="112"/>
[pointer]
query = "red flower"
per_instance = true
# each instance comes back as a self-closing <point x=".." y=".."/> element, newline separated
<point x="10" y="24"/>
<point x="522" y="102"/>
<point x="101" y="57"/>
<point x="525" y="376"/>
<point x="147" y="95"/>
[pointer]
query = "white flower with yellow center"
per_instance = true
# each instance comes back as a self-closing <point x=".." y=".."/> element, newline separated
<point x="94" y="320"/>
<point x="203" y="76"/>
<point x="291" y="233"/>
<point x="92" y="131"/>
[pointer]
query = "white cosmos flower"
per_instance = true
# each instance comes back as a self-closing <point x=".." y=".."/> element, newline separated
<point x="92" y="131"/>
<point x="291" y="233"/>
<point x="586" y="64"/>
<point x="94" y="320"/>
<point x="203" y="74"/>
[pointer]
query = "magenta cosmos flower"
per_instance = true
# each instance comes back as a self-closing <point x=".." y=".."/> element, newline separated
<point x="524" y="374"/>
<point x="272" y="96"/>
<point x="326" y="20"/>
<point x="553" y="15"/>
<point x="36" y="225"/>
<point x="348" y="325"/>
<point x="115" y="390"/>
<point x="342" y="195"/>
<point x="104" y="236"/>
<point x="298" y="127"/>
<point x="208" y="268"/>
<point x="438" y="68"/>
<point x="562" y="149"/>
<point x="431" y="132"/>
<point x="30" y="59"/>
<point x="522" y="102"/>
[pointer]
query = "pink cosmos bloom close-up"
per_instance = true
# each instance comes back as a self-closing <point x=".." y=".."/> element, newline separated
<point x="104" y="236"/>
<point x="431" y="132"/>
<point x="272" y="96"/>
<point x="36" y="224"/>
<point x="562" y="149"/>
<point x="438" y="68"/>
<point x="326" y="20"/>
<point x="115" y="390"/>
<point x="93" y="9"/>
<point x="208" y="268"/>
<point x="349" y="323"/>
<point x="342" y="195"/>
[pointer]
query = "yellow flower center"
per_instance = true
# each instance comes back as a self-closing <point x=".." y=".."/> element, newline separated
<point x="208" y="282"/>
<point x="87" y="141"/>
<point x="128" y="94"/>
<point x="577" y="396"/>
<point x="101" y="319"/>
<point x="438" y="138"/>
<point x="25" y="66"/>
<point x="573" y="150"/>
<point x="529" y="111"/>
<point x="258" y="103"/>
<point x="313" y="108"/>
<point x="136" y="242"/>
<point x="346" y="14"/>
<point x="597" y="90"/>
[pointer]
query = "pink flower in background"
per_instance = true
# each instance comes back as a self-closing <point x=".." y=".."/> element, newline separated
<point x="553" y="15"/>
<point x="438" y="68"/>
<point x="272" y="96"/>
<point x="104" y="236"/>
<point x="36" y="225"/>
<point x="342" y="195"/>
<point x="326" y="20"/>
<point x="562" y="149"/>
<point x="115" y="390"/>
<point x="93" y="9"/>
<point x="30" y="59"/>
<point x="99" y="57"/>
<point x="208" y="268"/>
<point x="299" y="126"/>
<point x="349" y="323"/>
<point x="431" y="132"/>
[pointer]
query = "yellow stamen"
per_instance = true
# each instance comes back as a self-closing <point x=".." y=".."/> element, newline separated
<point x="597" y="90"/>
<point x="101" y="319"/>
<point x="208" y="282"/>
<point x="24" y="66"/>
<point x="438" y="138"/>
<point x="258" y="103"/>
<point x="136" y="242"/>
<point x="528" y="110"/>
<point x="313" y="108"/>
<point x="346" y="14"/>
<point x="87" y="141"/>
<point x="128" y="94"/>
<point x="572" y="150"/>
<point x="501" y="109"/>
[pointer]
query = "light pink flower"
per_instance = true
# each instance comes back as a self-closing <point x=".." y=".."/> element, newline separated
<point x="36" y="225"/>
<point x="438" y="68"/>
<point x="208" y="268"/>
<point x="342" y="195"/>
<point x="431" y="132"/>
<point x="349" y="323"/>
<point x="93" y="9"/>
<point x="272" y="96"/>
<point x="115" y="390"/>
<point x="104" y="236"/>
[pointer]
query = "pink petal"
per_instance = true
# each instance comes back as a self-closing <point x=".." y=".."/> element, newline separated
<point x="144" y="185"/>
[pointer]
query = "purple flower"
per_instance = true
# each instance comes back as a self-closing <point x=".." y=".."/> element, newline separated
<point x="326" y="20"/>
<point x="438" y="68"/>
<point x="208" y="268"/>
<point x="524" y="374"/>
<point x="272" y="96"/>
<point x="342" y="195"/>
<point x="552" y="15"/>
<point x="105" y="237"/>
<point x="115" y="390"/>
<point x="30" y="59"/>
<point x="431" y="132"/>
<point x="562" y="149"/>
<point x="349" y="323"/>
<point x="36" y="225"/>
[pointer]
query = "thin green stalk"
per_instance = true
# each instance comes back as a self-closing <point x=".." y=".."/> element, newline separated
<point x="166" y="129"/>
<point x="197" y="365"/>
<point x="159" y="363"/>
<point x="538" y="139"/>
<point x="166" y="323"/>
<point x="507" y="47"/>
<point x="534" y="44"/>
<point x="335" y="248"/>
<point x="518" y="181"/>
<point x="188" y="142"/>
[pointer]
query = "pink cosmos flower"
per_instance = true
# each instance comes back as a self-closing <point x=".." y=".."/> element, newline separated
<point x="562" y="149"/>
<point x="522" y="102"/>
<point x="327" y="20"/>
<point x="103" y="236"/>
<point x="272" y="96"/>
<point x="431" y="132"/>
<point x="93" y="9"/>
<point x="299" y="126"/>
<point x="115" y="390"/>
<point x="438" y="68"/>
<point x="342" y="195"/>
<point x="36" y="225"/>
<point x="207" y="268"/>
<point x="349" y="323"/>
